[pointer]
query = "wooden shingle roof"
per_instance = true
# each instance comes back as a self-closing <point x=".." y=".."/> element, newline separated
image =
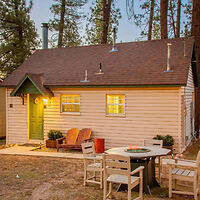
<point x="135" y="63"/>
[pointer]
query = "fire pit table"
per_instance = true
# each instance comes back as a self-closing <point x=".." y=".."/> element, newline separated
<point x="142" y="156"/>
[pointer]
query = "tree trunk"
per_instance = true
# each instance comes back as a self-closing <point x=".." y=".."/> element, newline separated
<point x="61" y="24"/>
<point x="19" y="30"/>
<point x="106" y="18"/>
<point x="178" y="19"/>
<point x="151" y="19"/>
<point x="196" y="33"/>
<point x="163" y="18"/>
<point x="172" y="17"/>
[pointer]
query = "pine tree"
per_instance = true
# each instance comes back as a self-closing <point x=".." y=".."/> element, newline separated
<point x="151" y="19"/>
<point x="178" y="21"/>
<point x="104" y="17"/>
<point x="67" y="16"/>
<point x="188" y="18"/>
<point x="18" y="37"/>
<point x="148" y="19"/>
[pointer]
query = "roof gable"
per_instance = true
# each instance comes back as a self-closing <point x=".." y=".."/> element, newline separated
<point x="31" y="84"/>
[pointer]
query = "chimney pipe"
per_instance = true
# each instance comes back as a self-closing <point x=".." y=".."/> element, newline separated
<point x="100" y="69"/>
<point x="114" y="48"/>
<point x="45" y="28"/>
<point x="86" y="77"/>
<point x="169" y="69"/>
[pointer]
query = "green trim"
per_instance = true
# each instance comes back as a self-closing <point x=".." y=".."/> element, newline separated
<point x="112" y="86"/>
<point x="14" y="92"/>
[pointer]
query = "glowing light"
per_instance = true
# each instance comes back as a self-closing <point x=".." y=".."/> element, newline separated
<point x="45" y="101"/>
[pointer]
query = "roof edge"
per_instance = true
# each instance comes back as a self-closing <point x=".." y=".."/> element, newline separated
<point x="113" y="86"/>
<point x="104" y="86"/>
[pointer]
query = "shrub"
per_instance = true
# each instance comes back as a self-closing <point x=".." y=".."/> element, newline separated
<point x="54" y="134"/>
<point x="158" y="137"/>
<point x="168" y="140"/>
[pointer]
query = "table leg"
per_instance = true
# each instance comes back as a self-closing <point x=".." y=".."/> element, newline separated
<point x="153" y="172"/>
<point x="145" y="163"/>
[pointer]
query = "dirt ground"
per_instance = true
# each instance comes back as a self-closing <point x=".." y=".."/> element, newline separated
<point x="192" y="150"/>
<point x="42" y="178"/>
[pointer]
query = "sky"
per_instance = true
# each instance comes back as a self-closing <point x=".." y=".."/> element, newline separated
<point x="127" y="30"/>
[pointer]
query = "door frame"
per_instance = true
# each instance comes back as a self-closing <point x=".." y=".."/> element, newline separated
<point x="28" y="120"/>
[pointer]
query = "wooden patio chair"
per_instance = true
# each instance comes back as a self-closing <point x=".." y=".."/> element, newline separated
<point x="92" y="163"/>
<point x="78" y="137"/>
<point x="70" y="139"/>
<point x="159" y="143"/>
<point x="117" y="169"/>
<point x="184" y="170"/>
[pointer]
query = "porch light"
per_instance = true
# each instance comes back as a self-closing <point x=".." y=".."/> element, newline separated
<point x="45" y="101"/>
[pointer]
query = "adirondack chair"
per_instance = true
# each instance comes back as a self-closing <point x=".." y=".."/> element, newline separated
<point x="184" y="170"/>
<point x="158" y="143"/>
<point x="74" y="138"/>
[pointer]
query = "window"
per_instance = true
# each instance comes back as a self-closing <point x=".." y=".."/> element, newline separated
<point x="115" y="104"/>
<point x="70" y="103"/>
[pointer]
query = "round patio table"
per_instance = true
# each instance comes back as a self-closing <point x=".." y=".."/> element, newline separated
<point x="146" y="159"/>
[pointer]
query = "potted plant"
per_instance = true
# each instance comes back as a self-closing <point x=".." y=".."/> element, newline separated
<point x="168" y="141"/>
<point x="52" y="136"/>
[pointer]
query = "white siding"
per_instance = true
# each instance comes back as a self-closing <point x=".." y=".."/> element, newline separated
<point x="189" y="103"/>
<point x="16" y="120"/>
<point x="148" y="112"/>
<point x="2" y="112"/>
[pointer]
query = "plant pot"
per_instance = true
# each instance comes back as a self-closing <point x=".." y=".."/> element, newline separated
<point x="51" y="143"/>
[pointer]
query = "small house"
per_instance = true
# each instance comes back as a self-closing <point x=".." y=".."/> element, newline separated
<point x="125" y="93"/>
<point x="2" y="111"/>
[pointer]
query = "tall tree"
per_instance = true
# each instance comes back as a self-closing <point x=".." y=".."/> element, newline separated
<point x="151" y="19"/>
<point x="178" y="19"/>
<point x="104" y="17"/>
<point x="106" y="7"/>
<point x="148" y="19"/>
<point x="196" y="33"/>
<point x="61" y="24"/>
<point x="172" y="22"/>
<point x="18" y="37"/>
<point x="67" y="17"/>
<point x="163" y="18"/>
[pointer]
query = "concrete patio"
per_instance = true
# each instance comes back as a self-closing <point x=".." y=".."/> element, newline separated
<point x="29" y="151"/>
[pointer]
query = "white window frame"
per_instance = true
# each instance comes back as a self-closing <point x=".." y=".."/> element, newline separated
<point x="114" y="104"/>
<point x="61" y="103"/>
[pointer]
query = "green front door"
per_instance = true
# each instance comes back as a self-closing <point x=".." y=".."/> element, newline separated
<point x="36" y="117"/>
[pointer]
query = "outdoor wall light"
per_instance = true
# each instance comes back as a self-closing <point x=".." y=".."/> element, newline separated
<point x="45" y="101"/>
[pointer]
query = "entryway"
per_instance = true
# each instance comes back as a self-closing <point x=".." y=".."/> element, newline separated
<point x="36" y="113"/>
